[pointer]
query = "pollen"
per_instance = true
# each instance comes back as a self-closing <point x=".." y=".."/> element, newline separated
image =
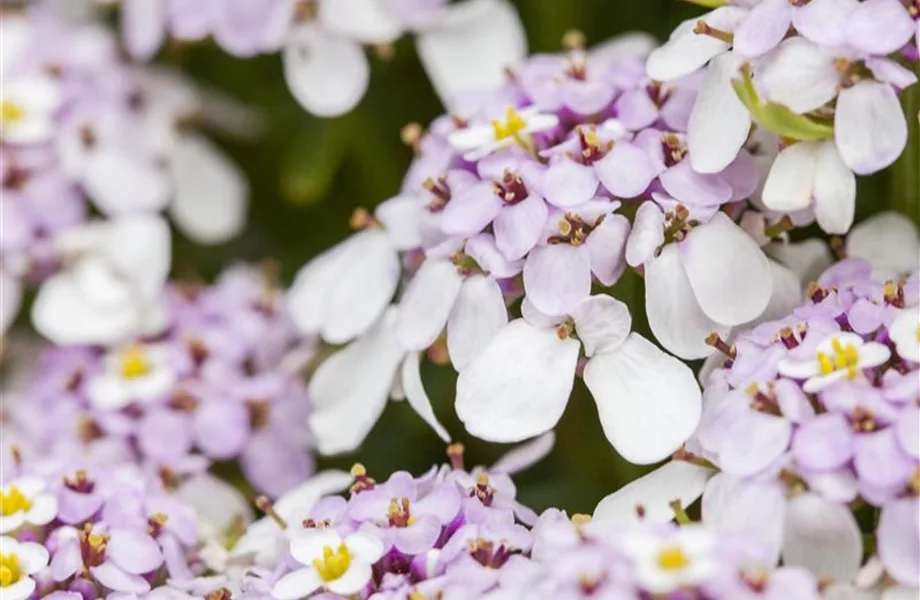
<point x="673" y="558"/>
<point x="134" y="362"/>
<point x="10" y="112"/>
<point x="13" y="501"/>
<point x="10" y="571"/>
<point x="843" y="358"/>
<point x="333" y="564"/>
<point x="513" y="125"/>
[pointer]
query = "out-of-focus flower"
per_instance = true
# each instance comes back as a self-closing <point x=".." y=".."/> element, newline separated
<point x="24" y="501"/>
<point x="19" y="561"/>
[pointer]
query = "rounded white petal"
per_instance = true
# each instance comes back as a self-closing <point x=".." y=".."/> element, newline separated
<point x="791" y="180"/>
<point x="20" y="590"/>
<point x="400" y="216"/>
<point x="602" y="324"/>
<point x="748" y="508"/>
<point x="416" y="396"/>
<point x="119" y="182"/>
<point x="211" y="192"/>
<point x="719" y="123"/>
<point x="653" y="494"/>
<point x="478" y="314"/>
<point x="519" y="384"/>
<point x="308" y="544"/>
<point x="427" y="303"/>
<point x="800" y="75"/>
<point x="823" y="537"/>
<point x="888" y="241"/>
<point x="525" y="455"/>
<point x="684" y="53"/>
<point x="869" y="126"/>
<point x="215" y="501"/>
<point x="365" y="547"/>
<point x="647" y="234"/>
<point x="32" y="557"/>
<point x="143" y="24"/>
<point x="354" y="580"/>
<point x="835" y="191"/>
<point x="297" y="584"/>
<point x="296" y="504"/>
<point x="807" y="259"/>
<point x="325" y="73"/>
<point x="904" y="333"/>
<point x="308" y="297"/>
<point x="648" y="402"/>
<point x="731" y="287"/>
<point x="365" y="21"/>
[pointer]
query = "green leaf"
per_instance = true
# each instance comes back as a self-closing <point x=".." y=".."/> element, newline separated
<point x="311" y="162"/>
<point x="778" y="118"/>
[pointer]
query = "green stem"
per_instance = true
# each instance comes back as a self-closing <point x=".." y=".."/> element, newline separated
<point x="680" y="515"/>
<point x="906" y="177"/>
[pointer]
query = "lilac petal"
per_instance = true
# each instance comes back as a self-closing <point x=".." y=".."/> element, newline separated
<point x="471" y="210"/>
<point x="636" y="110"/>
<point x="607" y="247"/>
<point x="567" y="183"/>
<point x="792" y="401"/>
<point x="133" y="551"/>
<point x="483" y="249"/>
<point x="899" y="540"/>
<point x="221" y="428"/>
<point x="869" y="126"/>
<point x="165" y="435"/>
<point x="274" y="466"/>
<point x="74" y="507"/>
<point x="66" y="561"/>
<point x="557" y="277"/>
<point x="518" y="227"/>
<point x="879" y="460"/>
<point x="907" y="429"/>
<point x="824" y="21"/>
<point x="696" y="189"/>
<point x="743" y="175"/>
<point x="626" y="171"/>
<point x="823" y="443"/>
<point x="765" y="26"/>
<point x="117" y="580"/>
<point x="587" y="97"/>
<point x="418" y="537"/>
<point x="442" y="503"/>
<point x="754" y="442"/>
<point x="865" y="316"/>
<point x="174" y="557"/>
<point x="879" y="26"/>
<point x="753" y="509"/>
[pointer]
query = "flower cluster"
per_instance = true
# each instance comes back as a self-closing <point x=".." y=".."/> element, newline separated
<point x="85" y="131"/>
<point x="824" y="75"/>
<point x="221" y="383"/>
<point x="464" y="48"/>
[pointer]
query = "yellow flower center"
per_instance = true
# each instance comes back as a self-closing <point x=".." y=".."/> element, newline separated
<point x="843" y="358"/>
<point x="512" y="127"/>
<point x="13" y="501"/>
<point x="673" y="558"/>
<point x="10" y="571"/>
<point x="134" y="362"/>
<point x="333" y="564"/>
<point x="10" y="112"/>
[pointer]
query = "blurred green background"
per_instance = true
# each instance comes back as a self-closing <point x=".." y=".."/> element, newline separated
<point x="309" y="174"/>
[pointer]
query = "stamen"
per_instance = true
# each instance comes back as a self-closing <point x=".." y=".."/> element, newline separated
<point x="362" y="481"/>
<point x="703" y="28"/>
<point x="266" y="506"/>
<point x="714" y="340"/>
<point x="362" y="219"/>
<point x="455" y="454"/>
<point x="411" y="135"/>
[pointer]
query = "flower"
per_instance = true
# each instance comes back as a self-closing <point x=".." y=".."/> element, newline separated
<point x="24" y="502"/>
<point x="666" y="563"/>
<point x="18" y="561"/>
<point x="134" y="373"/>
<point x="27" y="108"/>
<point x="341" y="566"/>
<point x="905" y="333"/>
<point x="478" y="141"/>
<point x="842" y="356"/>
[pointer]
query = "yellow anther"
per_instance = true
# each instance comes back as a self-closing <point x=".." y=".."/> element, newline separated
<point x="358" y="470"/>
<point x="10" y="112"/>
<point x="482" y="480"/>
<point x="13" y="502"/>
<point x="844" y="358"/>
<point x="673" y="558"/>
<point x="96" y="541"/>
<point x="590" y="136"/>
<point x="580" y="519"/>
<point x="333" y="564"/>
<point x="827" y="367"/>
<point x="10" y="571"/>
<point x="134" y="362"/>
<point x="512" y="127"/>
<point x="565" y="228"/>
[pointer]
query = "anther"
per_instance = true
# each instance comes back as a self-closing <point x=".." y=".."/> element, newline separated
<point x="714" y="340"/>
<point x="266" y="506"/>
<point x="455" y="455"/>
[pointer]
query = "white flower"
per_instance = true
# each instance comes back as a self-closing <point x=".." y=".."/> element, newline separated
<point x="519" y="385"/>
<point x="133" y="373"/>
<point x="22" y="502"/>
<point x="890" y="243"/>
<point x="839" y="356"/>
<point x="665" y="563"/>
<point x="478" y="141"/>
<point x="341" y="566"/>
<point x="905" y="333"/>
<point x="19" y="560"/>
<point x="27" y="107"/>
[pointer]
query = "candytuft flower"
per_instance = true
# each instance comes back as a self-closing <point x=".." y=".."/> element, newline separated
<point x="19" y="561"/>
<point x="24" y="501"/>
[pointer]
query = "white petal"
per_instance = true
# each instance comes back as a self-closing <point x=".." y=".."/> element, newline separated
<point x="654" y="492"/>
<point x="416" y="396"/>
<point x="791" y="179"/>
<point x="10" y="299"/>
<point x="143" y="25"/>
<point x="215" y="501"/>
<point x="326" y="74"/>
<point x="869" y="126"/>
<point x="307" y="299"/>
<point x="607" y="248"/>
<point x="32" y="557"/>
<point x="719" y="122"/>
<point x="747" y="508"/>
<point x="888" y="241"/>
<point x="400" y="216"/>
<point x="354" y="580"/>
<point x="800" y="75"/>
<point x="822" y="536"/>
<point x="427" y="303"/>
<point x="835" y="191"/>
<point x="674" y="314"/>
<point x="519" y="384"/>
<point x="297" y="584"/>
<point x="478" y="314"/>
<point x="139" y="247"/>
<point x="557" y="277"/>
<point x="807" y="259"/>
<point x="349" y="390"/>
<point x="296" y="504"/>
<point x="365" y="546"/>
<point x="525" y="456"/>
<point x="731" y="287"/>
<point x="365" y="21"/>
<point x="648" y="401"/>
<point x="119" y="182"/>
<point x="684" y="53"/>
<point x="211" y="192"/>
<point x="786" y="295"/>
<point x="602" y="324"/>
<point x="647" y="234"/>
<point x="470" y="48"/>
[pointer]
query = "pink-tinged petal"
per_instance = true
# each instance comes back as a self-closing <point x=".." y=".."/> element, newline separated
<point x="869" y="126"/>
<point x="649" y="402"/>
<point x="602" y="323"/>
<point x="518" y="227"/>
<point x="588" y="97"/>
<point x="823" y="537"/>
<point x="731" y="287"/>
<point x="567" y="183"/>
<point x="636" y="110"/>
<point x="427" y="302"/>
<point x="743" y="175"/>
<point x="418" y="398"/>
<point x="418" y="537"/>
<point x="519" y="384"/>
<point x="879" y="26"/>
<point x="607" y="247"/>
<point x="879" y="460"/>
<point x="764" y="27"/>
<point x="471" y="210"/>
<point x="824" y="21"/>
<point x="889" y="71"/>
<point x="478" y="314"/>
<point x="134" y="551"/>
<point x="143" y="25"/>
<point x="823" y="443"/>
<point x="753" y="442"/>
<point x="626" y="171"/>
<point x="66" y="561"/>
<point x="800" y="75"/>
<point x="483" y="249"/>
<point x="719" y="123"/>
<point x="646" y="236"/>
<point x="118" y="580"/>
<point x="899" y="540"/>
<point x="221" y="427"/>
<point x="834" y="191"/>
<point x="695" y="189"/>
<point x="907" y="429"/>
<point x="557" y="277"/>
<point x="674" y="314"/>
<point x="748" y="508"/>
